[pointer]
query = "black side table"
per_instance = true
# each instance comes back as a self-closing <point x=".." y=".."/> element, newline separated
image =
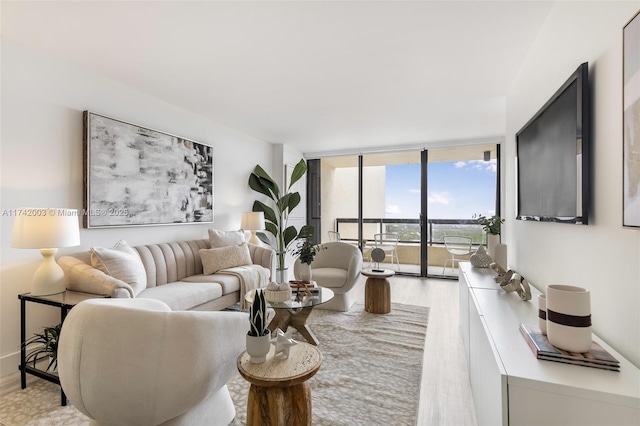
<point x="65" y="301"/>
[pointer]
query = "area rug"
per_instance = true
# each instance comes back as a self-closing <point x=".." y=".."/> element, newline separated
<point x="370" y="374"/>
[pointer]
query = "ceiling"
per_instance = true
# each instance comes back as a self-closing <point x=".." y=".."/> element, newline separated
<point x="320" y="76"/>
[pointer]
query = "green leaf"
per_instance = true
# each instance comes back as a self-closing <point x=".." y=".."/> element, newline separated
<point x="289" y="202"/>
<point x="264" y="238"/>
<point x="269" y="214"/>
<point x="257" y="185"/>
<point x="270" y="227"/>
<point x="289" y="235"/>
<point x="267" y="181"/>
<point x="306" y="231"/>
<point x="298" y="171"/>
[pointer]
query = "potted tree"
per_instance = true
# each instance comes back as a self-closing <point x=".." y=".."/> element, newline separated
<point x="276" y="218"/>
<point x="48" y="341"/>
<point x="258" y="336"/>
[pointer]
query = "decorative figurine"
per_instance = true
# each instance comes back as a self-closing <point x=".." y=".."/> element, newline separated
<point x="283" y="342"/>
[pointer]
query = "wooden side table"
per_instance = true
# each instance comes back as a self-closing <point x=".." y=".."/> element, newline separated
<point x="279" y="394"/>
<point x="377" y="291"/>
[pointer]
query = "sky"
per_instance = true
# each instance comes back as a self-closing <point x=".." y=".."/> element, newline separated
<point x="456" y="190"/>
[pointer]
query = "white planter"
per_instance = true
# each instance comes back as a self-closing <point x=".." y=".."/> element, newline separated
<point x="492" y="240"/>
<point x="569" y="317"/>
<point x="304" y="272"/>
<point x="500" y="254"/>
<point x="258" y="347"/>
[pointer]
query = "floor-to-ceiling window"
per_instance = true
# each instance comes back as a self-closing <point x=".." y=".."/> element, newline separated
<point x="416" y="198"/>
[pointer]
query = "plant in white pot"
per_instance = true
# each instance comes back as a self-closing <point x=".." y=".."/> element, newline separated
<point x="276" y="218"/>
<point x="258" y="336"/>
<point x="491" y="225"/>
<point x="306" y="251"/>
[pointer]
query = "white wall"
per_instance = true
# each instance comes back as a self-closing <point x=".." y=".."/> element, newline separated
<point x="602" y="256"/>
<point x="42" y="104"/>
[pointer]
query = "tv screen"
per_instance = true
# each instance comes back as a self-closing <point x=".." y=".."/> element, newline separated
<point x="552" y="156"/>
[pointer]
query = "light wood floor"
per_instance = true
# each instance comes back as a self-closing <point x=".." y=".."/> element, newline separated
<point x="445" y="392"/>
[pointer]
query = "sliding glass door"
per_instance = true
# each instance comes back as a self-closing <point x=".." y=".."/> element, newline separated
<point x="462" y="184"/>
<point x="411" y="201"/>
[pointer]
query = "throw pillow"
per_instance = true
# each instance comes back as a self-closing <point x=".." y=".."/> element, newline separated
<point x="225" y="238"/>
<point x="215" y="259"/>
<point x="121" y="262"/>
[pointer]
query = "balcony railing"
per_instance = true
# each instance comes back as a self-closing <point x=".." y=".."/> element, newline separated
<point x="409" y="229"/>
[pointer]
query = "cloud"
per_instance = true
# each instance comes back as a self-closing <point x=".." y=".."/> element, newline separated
<point x="439" y="197"/>
<point x="393" y="209"/>
<point x="490" y="166"/>
<point x="414" y="191"/>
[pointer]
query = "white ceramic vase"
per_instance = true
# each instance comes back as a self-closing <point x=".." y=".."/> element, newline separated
<point x="500" y="254"/>
<point x="304" y="272"/>
<point x="542" y="313"/>
<point x="492" y="240"/>
<point x="258" y="347"/>
<point x="480" y="259"/>
<point x="569" y="317"/>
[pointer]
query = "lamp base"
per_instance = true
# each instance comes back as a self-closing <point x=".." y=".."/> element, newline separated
<point x="254" y="239"/>
<point x="49" y="277"/>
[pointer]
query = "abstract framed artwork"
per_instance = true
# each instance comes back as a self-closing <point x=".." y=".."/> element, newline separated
<point x="135" y="176"/>
<point x="631" y="123"/>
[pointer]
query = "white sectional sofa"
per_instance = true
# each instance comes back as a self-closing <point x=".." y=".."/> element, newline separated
<point x="171" y="272"/>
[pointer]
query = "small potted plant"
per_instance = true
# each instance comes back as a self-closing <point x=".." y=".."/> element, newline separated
<point x="306" y="251"/>
<point x="258" y="336"/>
<point x="48" y="341"/>
<point x="492" y="227"/>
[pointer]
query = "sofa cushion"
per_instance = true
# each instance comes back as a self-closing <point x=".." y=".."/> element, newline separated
<point x="121" y="262"/>
<point x="229" y="283"/>
<point x="182" y="296"/>
<point x="225" y="238"/>
<point x="329" y="277"/>
<point x="215" y="259"/>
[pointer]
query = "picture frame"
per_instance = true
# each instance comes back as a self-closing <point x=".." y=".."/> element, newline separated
<point x="136" y="176"/>
<point x="631" y="122"/>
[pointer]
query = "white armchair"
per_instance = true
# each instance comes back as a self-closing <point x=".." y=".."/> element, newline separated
<point x="136" y="362"/>
<point x="336" y="266"/>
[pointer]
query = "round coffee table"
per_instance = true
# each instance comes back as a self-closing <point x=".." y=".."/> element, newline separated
<point x="294" y="312"/>
<point x="279" y="393"/>
<point x="377" y="291"/>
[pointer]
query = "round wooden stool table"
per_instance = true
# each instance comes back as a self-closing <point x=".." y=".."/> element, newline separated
<point x="377" y="291"/>
<point x="279" y="394"/>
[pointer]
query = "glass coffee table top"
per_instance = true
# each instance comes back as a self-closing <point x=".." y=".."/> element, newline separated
<point x="318" y="297"/>
<point x="295" y="311"/>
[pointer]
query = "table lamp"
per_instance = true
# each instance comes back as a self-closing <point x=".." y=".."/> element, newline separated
<point x="47" y="230"/>
<point x="252" y="221"/>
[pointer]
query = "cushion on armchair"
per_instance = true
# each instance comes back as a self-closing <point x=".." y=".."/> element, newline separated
<point x="215" y="259"/>
<point x="121" y="262"/>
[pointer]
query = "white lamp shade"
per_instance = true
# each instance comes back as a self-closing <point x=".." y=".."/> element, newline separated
<point x="252" y="221"/>
<point x="45" y="228"/>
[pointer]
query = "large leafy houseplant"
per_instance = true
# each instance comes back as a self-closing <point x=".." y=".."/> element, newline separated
<point x="48" y="347"/>
<point x="276" y="217"/>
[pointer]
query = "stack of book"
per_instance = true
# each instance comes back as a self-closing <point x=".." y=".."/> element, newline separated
<point x="597" y="357"/>
<point x="298" y="285"/>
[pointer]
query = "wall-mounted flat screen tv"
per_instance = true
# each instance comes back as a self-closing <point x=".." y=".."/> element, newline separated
<point x="552" y="156"/>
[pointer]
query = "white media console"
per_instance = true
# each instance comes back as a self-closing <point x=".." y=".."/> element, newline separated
<point x="511" y="387"/>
